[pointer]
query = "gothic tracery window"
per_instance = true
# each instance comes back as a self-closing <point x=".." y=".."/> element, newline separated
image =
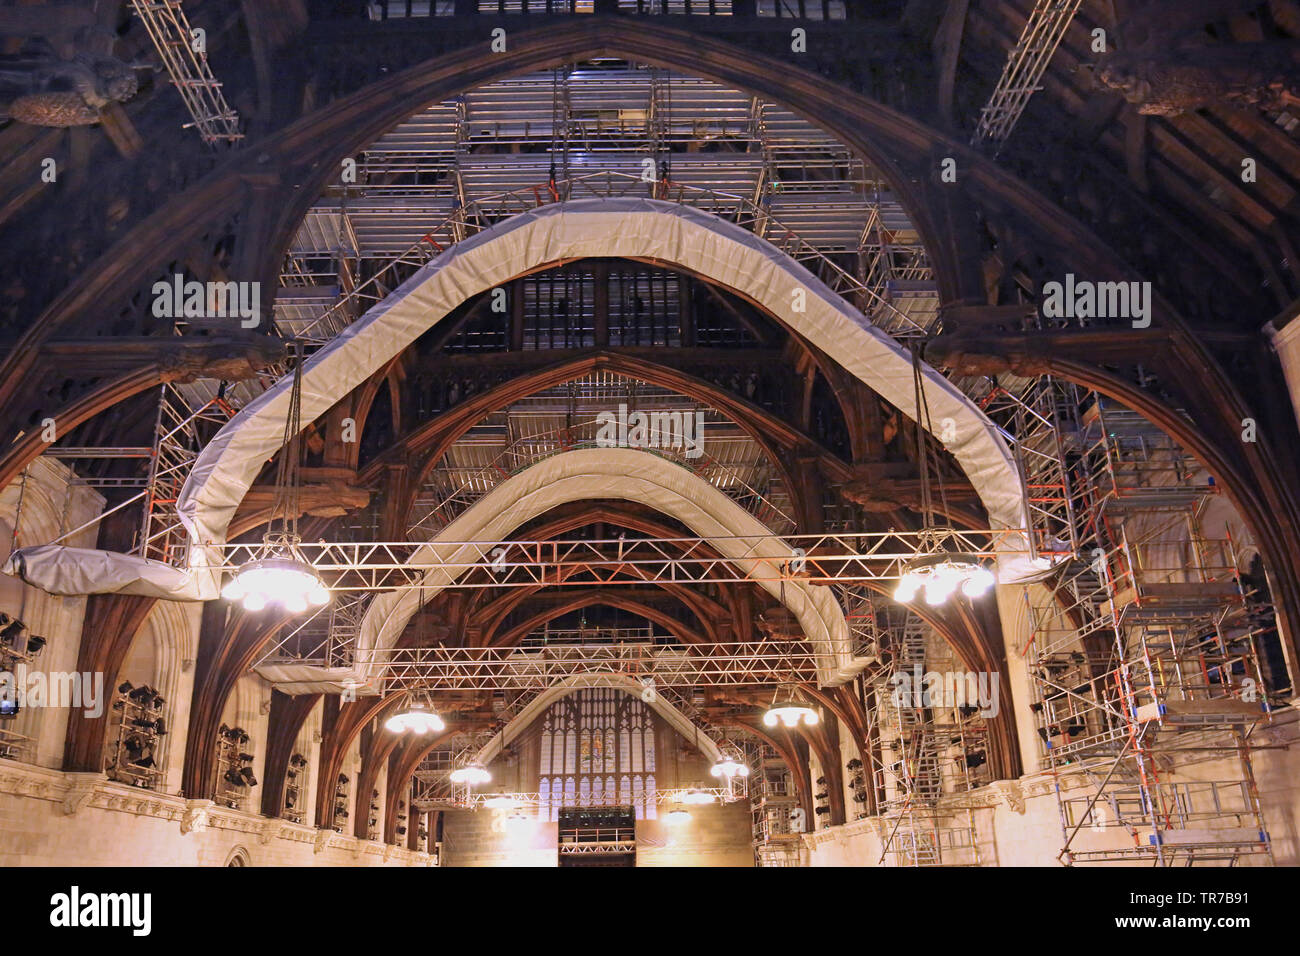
<point x="598" y="750"/>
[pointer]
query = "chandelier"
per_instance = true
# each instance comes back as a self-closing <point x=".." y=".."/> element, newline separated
<point x="790" y="711"/>
<point x="939" y="573"/>
<point x="472" y="775"/>
<point x="678" y="817"/>
<point x="501" y="801"/>
<point x="280" y="574"/>
<point x="696" y="797"/>
<point x="940" y="567"/>
<point x="417" y="718"/>
<point x="729" y="767"/>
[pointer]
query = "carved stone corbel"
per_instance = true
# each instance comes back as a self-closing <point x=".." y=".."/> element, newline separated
<point x="81" y="791"/>
<point x="197" y="816"/>
<point x="1010" y="795"/>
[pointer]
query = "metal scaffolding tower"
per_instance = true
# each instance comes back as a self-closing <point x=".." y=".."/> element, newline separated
<point x="931" y="750"/>
<point x="1026" y="63"/>
<point x="185" y="57"/>
<point x="1146" y="669"/>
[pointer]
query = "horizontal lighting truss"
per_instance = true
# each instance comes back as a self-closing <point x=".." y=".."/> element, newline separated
<point x="734" y="664"/>
<point x="819" y="559"/>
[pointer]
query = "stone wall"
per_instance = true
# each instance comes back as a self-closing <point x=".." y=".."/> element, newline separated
<point x="48" y="818"/>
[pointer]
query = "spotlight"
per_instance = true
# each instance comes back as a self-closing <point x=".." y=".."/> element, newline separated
<point x="35" y="644"/>
<point x="678" y="817"/>
<point x="10" y="632"/>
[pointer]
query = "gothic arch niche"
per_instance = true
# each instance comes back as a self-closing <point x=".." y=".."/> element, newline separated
<point x="161" y="657"/>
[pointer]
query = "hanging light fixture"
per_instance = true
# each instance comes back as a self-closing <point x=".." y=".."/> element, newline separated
<point x="678" y="817"/>
<point x="729" y="767"/>
<point x="940" y="568"/>
<point x="472" y="775"/>
<point x="790" y="711"/>
<point x="417" y="718"/>
<point x="501" y="801"/>
<point x="280" y="574"/>
<point x="696" y="797"/>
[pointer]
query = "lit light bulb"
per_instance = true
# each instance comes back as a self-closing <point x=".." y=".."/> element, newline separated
<point x="905" y="593"/>
<point x="319" y="595"/>
<point x="295" y="603"/>
<point x="678" y="817"/>
<point x="254" y="601"/>
<point x="472" y="775"/>
<point x="978" y="584"/>
<point x="727" y="767"/>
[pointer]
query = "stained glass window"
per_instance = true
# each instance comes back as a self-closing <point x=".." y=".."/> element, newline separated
<point x="596" y="747"/>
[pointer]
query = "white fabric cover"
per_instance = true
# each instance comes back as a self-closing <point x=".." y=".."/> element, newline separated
<point x="537" y="706"/>
<point x="640" y="228"/>
<point x="58" y="569"/>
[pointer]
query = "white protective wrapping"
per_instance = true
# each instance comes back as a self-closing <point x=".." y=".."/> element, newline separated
<point x="75" y="571"/>
<point x="631" y="475"/>
<point x="628" y="228"/>
<point x="537" y="706"/>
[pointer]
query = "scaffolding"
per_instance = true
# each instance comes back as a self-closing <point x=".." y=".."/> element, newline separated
<point x="775" y="814"/>
<point x="185" y="58"/>
<point x="1026" y="63"/>
<point x="933" y="748"/>
<point x="1146" y="668"/>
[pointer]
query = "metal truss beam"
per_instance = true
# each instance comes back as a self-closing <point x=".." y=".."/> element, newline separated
<point x="813" y="559"/>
